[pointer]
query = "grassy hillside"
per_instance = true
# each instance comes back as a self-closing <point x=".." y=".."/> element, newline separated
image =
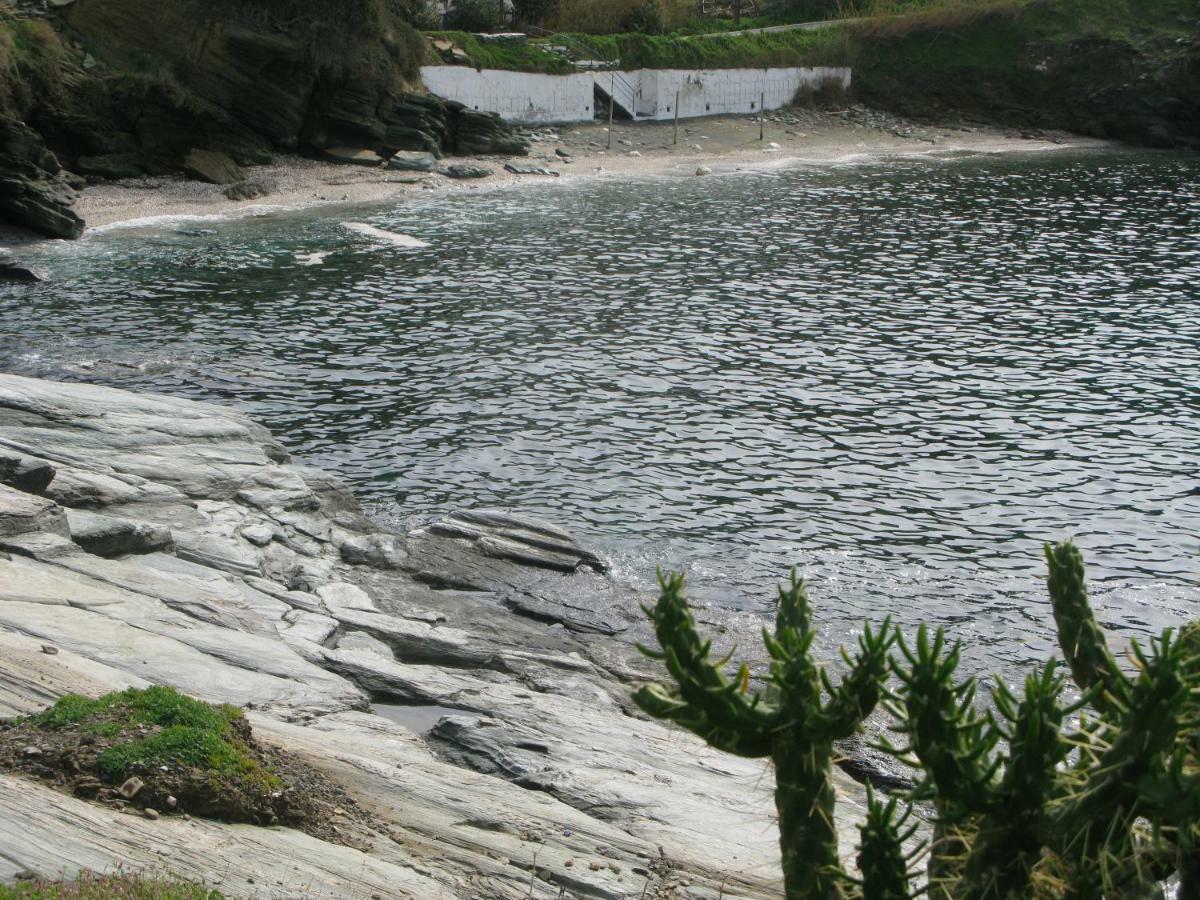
<point x="651" y="51"/>
<point x="32" y="60"/>
<point x="1111" y="68"/>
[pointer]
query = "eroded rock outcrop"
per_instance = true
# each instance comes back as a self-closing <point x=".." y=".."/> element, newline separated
<point x="509" y="755"/>
<point x="35" y="192"/>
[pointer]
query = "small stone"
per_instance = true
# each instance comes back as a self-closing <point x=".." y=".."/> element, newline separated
<point x="151" y="814"/>
<point x="172" y="802"/>
<point x="703" y="170"/>
<point x="258" y="535"/>
<point x="31" y="752"/>
<point x="212" y="166"/>
<point x="569" y="863"/>
<point x="131" y="787"/>
<point x="412" y="161"/>
<point x="635" y="153"/>
<point x="11" y="270"/>
<point x="462" y="170"/>
<point x="595" y="866"/>
<point x="49" y="649"/>
<point x="247" y="190"/>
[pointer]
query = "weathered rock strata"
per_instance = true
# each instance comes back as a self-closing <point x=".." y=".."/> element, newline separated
<point x="279" y="595"/>
<point x="154" y="87"/>
<point x="35" y="192"/>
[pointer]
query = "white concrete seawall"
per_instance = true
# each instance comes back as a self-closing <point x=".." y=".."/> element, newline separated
<point x="536" y="98"/>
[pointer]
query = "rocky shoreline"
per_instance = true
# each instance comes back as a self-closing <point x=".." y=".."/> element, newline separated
<point x="463" y="682"/>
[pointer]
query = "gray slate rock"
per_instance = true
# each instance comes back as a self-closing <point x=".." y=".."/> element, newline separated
<point x="22" y="513"/>
<point x="379" y="551"/>
<point x="519" y="538"/>
<point x="34" y="190"/>
<point x="247" y="190"/>
<point x="213" y="167"/>
<point x="462" y="170"/>
<point x="113" y="536"/>
<point x="25" y="473"/>
<point x="522" y="169"/>
<point x="11" y="270"/>
<point x="413" y="161"/>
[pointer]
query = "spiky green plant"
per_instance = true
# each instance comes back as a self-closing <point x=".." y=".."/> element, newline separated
<point x="1032" y="796"/>
<point x="794" y="723"/>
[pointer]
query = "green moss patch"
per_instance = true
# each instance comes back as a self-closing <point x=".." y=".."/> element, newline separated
<point x="160" y="750"/>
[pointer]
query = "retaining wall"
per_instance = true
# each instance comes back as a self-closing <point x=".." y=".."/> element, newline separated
<point x="516" y="96"/>
<point x="534" y="98"/>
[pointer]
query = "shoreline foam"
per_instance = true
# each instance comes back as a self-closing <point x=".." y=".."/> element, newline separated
<point x="724" y="145"/>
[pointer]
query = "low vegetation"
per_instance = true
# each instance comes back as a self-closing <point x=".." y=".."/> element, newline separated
<point x="1032" y="795"/>
<point x="201" y="755"/>
<point x="31" y="63"/>
<point x="1108" y="68"/>
<point x="638" y="51"/>
<point x="163" y="752"/>
<point x="108" y="887"/>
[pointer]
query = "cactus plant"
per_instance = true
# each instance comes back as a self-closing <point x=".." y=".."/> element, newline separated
<point x="794" y="723"/>
<point x="1032" y="796"/>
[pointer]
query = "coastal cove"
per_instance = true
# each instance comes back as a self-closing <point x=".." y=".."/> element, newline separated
<point x="401" y="372"/>
<point x="599" y="449"/>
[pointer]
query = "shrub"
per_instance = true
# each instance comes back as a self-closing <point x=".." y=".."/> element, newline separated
<point x="475" y="16"/>
<point x="1034" y="797"/>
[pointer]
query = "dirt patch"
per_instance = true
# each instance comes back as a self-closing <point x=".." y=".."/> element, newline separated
<point x="160" y="753"/>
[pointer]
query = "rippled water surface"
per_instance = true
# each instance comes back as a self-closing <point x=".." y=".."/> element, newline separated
<point x="902" y="378"/>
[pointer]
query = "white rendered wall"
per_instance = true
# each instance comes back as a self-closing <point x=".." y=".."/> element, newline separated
<point x="528" y="97"/>
<point x="516" y="96"/>
<point x="711" y="92"/>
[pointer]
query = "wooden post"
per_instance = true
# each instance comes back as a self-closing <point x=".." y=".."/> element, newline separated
<point x="675" y="135"/>
<point x="612" y="101"/>
<point x="762" y="102"/>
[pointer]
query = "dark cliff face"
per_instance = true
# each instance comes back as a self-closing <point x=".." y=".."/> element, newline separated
<point x="1131" y="75"/>
<point x="131" y="87"/>
<point x="241" y="78"/>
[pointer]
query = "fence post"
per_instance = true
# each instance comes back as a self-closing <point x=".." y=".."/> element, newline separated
<point x="612" y="101"/>
<point x="675" y="134"/>
<point x="762" y="112"/>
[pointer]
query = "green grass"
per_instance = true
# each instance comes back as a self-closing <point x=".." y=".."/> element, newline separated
<point x="156" y="705"/>
<point x="526" y="57"/>
<point x="718" y="51"/>
<point x="193" y="733"/>
<point x="637" y="51"/>
<point x="108" y="887"/>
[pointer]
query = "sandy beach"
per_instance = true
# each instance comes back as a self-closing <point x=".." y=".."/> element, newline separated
<point x="713" y="145"/>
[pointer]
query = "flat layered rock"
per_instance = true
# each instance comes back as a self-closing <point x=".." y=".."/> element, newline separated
<point x="115" y="536"/>
<point x="277" y="593"/>
<point x="22" y="513"/>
